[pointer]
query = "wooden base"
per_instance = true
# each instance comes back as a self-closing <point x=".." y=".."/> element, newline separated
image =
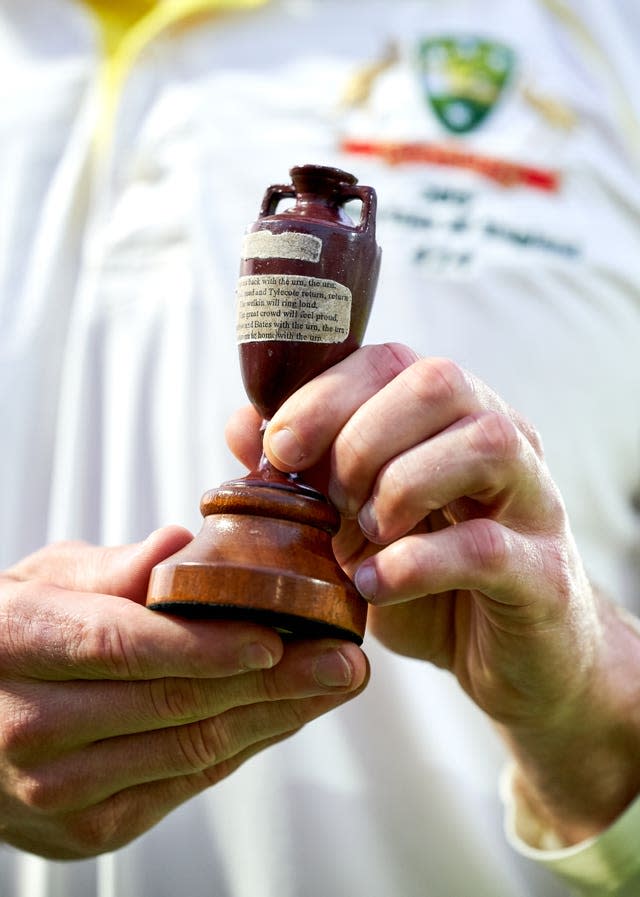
<point x="263" y="554"/>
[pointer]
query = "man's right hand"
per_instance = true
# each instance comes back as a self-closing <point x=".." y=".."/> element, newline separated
<point x="112" y="715"/>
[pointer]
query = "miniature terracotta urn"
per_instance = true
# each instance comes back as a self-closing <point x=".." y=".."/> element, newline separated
<point x="307" y="279"/>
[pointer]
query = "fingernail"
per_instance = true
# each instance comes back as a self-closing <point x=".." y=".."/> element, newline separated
<point x="333" y="670"/>
<point x="368" y="520"/>
<point x="256" y="657"/>
<point x="285" y="446"/>
<point x="366" y="581"/>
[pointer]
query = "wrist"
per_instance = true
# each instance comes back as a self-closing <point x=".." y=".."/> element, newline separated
<point x="606" y="864"/>
<point x="578" y="771"/>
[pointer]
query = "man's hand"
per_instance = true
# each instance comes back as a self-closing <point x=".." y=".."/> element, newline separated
<point x="111" y="715"/>
<point x="456" y="534"/>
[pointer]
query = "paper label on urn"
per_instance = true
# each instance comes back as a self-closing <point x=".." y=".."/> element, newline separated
<point x="292" y="308"/>
<point x="264" y="244"/>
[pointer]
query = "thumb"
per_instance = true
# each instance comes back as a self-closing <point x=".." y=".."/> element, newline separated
<point x="121" y="570"/>
<point x="242" y="433"/>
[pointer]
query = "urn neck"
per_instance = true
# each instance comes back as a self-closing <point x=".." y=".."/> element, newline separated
<point x="320" y="192"/>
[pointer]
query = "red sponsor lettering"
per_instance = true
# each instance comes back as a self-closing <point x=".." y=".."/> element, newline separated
<point x="503" y="171"/>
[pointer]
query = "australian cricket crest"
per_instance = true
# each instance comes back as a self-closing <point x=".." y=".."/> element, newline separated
<point x="463" y="78"/>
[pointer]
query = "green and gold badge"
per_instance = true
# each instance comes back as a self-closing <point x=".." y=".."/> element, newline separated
<point x="463" y="78"/>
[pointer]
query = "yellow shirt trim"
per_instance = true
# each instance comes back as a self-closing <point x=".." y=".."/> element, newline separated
<point x="127" y="26"/>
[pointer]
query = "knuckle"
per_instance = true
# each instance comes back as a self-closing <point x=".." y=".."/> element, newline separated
<point x="392" y="482"/>
<point x="293" y="715"/>
<point x="387" y="360"/>
<point x="396" y="497"/>
<point x="24" y="630"/>
<point x="102" y="649"/>
<point x="268" y="685"/>
<point x="496" y="436"/>
<point x="24" y="730"/>
<point x="350" y="452"/>
<point x="15" y="594"/>
<point x="101" y="828"/>
<point x="437" y="381"/>
<point x="44" y="791"/>
<point x="203" y="743"/>
<point x="402" y="565"/>
<point x="88" y="838"/>
<point x="486" y="546"/>
<point x="214" y="746"/>
<point x="36" y="630"/>
<point x="173" y="699"/>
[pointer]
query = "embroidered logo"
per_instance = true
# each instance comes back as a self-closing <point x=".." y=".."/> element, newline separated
<point x="463" y="78"/>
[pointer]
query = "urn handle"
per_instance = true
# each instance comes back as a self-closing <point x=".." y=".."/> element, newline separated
<point x="273" y="197"/>
<point x="367" y="196"/>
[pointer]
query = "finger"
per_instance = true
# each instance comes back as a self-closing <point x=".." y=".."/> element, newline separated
<point x="305" y="426"/>
<point x="44" y="720"/>
<point x="128" y="813"/>
<point x="50" y="633"/>
<point x="512" y="571"/>
<point x="483" y="464"/>
<point x="243" y="436"/>
<point x="425" y="398"/>
<point x="120" y="570"/>
<point x="90" y="776"/>
<point x="428" y="397"/>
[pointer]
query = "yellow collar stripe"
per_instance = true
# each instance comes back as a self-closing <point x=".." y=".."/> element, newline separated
<point x="127" y="26"/>
<point x="117" y="18"/>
